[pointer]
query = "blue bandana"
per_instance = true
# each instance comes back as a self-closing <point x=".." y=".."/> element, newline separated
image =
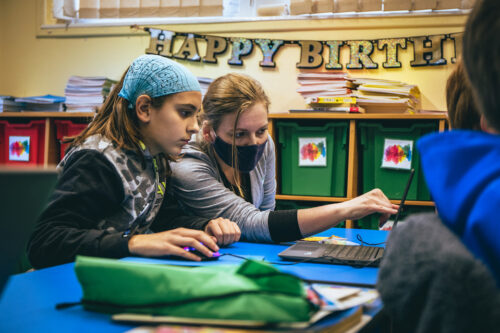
<point x="156" y="76"/>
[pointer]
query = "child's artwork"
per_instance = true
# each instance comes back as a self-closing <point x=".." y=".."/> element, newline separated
<point x="397" y="154"/>
<point x="312" y="151"/>
<point x="19" y="148"/>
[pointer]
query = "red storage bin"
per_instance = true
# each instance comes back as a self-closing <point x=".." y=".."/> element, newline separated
<point x="22" y="144"/>
<point x="65" y="128"/>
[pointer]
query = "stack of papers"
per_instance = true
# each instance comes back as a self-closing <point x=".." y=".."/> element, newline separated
<point x="46" y="103"/>
<point x="331" y="92"/>
<point x="324" y="84"/>
<point x="86" y="94"/>
<point x="386" y="96"/>
<point x="336" y="298"/>
<point x="9" y="104"/>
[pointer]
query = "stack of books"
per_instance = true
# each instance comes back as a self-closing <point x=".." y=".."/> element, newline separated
<point x="86" y="94"/>
<point x="324" y="84"/>
<point x="386" y="96"/>
<point x="9" y="104"/>
<point x="339" y="92"/>
<point x="332" y="104"/>
<point x="46" y="103"/>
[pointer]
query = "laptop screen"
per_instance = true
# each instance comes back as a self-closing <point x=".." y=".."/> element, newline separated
<point x="24" y="193"/>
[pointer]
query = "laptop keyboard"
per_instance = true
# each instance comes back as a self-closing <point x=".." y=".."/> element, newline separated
<point x="347" y="252"/>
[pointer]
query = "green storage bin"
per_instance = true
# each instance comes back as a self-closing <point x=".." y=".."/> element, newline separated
<point x="328" y="179"/>
<point x="289" y="204"/>
<point x="371" y="221"/>
<point x="391" y="181"/>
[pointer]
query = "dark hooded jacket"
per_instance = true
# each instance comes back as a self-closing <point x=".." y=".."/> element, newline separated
<point x="462" y="171"/>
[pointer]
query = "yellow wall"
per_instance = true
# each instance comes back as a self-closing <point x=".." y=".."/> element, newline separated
<point x="31" y="65"/>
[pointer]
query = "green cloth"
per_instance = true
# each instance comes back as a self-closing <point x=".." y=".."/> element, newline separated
<point x="251" y="291"/>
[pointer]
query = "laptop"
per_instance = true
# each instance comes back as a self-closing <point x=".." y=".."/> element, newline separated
<point x="24" y="193"/>
<point x="355" y="255"/>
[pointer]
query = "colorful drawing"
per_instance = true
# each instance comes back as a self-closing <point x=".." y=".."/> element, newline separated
<point x="19" y="148"/>
<point x="397" y="154"/>
<point x="312" y="151"/>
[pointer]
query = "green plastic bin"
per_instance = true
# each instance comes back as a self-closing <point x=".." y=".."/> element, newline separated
<point x="290" y="204"/>
<point x="371" y="221"/>
<point x="328" y="179"/>
<point x="392" y="181"/>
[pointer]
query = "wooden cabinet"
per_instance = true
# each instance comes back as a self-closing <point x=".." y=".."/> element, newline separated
<point x="352" y="186"/>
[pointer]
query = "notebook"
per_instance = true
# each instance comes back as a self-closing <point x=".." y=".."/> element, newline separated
<point x="356" y="255"/>
<point x="23" y="195"/>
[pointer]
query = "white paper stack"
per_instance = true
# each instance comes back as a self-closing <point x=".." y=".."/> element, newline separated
<point x="324" y="84"/>
<point x="86" y="94"/>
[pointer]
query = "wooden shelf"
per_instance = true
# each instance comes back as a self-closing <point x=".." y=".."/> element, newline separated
<point x="309" y="198"/>
<point x="33" y="114"/>
<point x="352" y="158"/>
<point x="341" y="199"/>
<point x="324" y="115"/>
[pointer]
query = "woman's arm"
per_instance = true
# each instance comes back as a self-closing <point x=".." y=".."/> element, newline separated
<point x="317" y="219"/>
<point x="197" y="187"/>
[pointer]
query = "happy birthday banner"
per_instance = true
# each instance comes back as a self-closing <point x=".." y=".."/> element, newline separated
<point x="427" y="50"/>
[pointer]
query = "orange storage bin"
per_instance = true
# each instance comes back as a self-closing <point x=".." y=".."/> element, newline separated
<point x="22" y="143"/>
<point x="67" y="128"/>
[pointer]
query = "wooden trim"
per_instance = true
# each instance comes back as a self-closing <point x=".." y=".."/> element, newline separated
<point x="29" y="114"/>
<point x="442" y="125"/>
<point x="414" y="203"/>
<point x="352" y="166"/>
<point x="309" y="198"/>
<point x="51" y="156"/>
<point x="319" y="115"/>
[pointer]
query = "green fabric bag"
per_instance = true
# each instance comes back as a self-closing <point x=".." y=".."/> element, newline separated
<point x="251" y="291"/>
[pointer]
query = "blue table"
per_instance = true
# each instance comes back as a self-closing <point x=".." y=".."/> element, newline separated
<point x="28" y="302"/>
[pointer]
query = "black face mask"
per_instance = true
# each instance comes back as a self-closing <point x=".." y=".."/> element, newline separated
<point x="248" y="156"/>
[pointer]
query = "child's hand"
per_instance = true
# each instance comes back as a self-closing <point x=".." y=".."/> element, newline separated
<point x="172" y="242"/>
<point x="225" y="231"/>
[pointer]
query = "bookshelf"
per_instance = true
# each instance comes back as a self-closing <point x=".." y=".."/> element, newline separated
<point x="352" y="186"/>
<point x="51" y="152"/>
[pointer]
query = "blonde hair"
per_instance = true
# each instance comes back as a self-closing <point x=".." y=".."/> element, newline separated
<point x="228" y="94"/>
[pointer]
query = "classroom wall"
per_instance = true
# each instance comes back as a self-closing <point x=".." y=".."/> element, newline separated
<point x="2" y="42"/>
<point x="31" y="65"/>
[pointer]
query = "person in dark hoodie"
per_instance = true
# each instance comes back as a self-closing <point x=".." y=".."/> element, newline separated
<point x="441" y="272"/>
<point x="462" y="168"/>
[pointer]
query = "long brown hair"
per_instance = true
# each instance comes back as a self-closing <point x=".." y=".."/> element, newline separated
<point x="117" y="122"/>
<point x="231" y="93"/>
<point x="462" y="110"/>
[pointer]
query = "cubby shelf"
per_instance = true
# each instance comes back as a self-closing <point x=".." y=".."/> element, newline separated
<point x="51" y="144"/>
<point x="352" y="186"/>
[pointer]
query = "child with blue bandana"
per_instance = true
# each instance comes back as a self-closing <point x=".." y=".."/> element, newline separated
<point x="113" y="195"/>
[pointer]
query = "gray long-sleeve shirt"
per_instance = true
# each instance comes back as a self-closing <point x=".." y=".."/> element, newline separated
<point x="198" y="186"/>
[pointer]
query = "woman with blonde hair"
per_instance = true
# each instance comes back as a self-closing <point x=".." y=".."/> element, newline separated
<point x="230" y="171"/>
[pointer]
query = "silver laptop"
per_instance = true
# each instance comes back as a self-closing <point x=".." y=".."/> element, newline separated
<point x="24" y="193"/>
<point x="355" y="255"/>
